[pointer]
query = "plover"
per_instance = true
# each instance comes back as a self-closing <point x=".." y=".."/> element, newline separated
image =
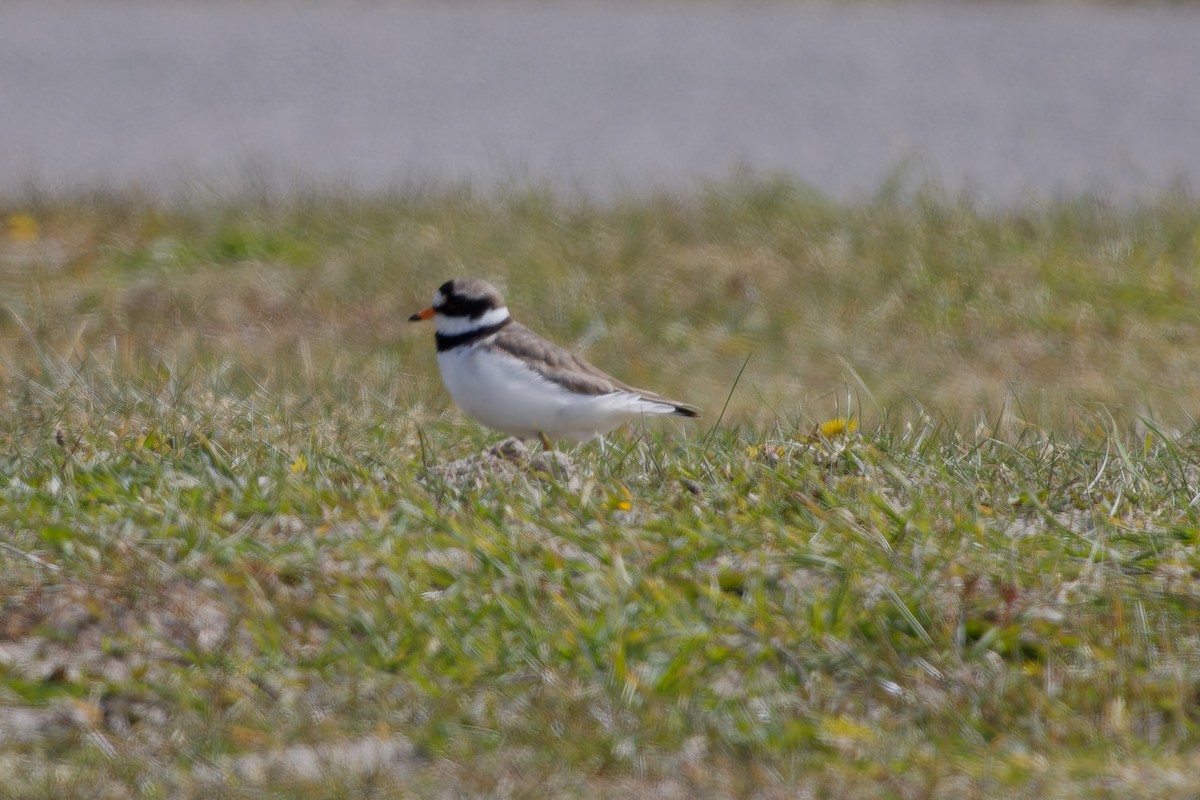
<point x="507" y="377"/>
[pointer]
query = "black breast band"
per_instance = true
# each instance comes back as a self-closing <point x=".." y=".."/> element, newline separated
<point x="446" y="342"/>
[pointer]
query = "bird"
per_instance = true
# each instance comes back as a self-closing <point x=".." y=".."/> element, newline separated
<point x="509" y="378"/>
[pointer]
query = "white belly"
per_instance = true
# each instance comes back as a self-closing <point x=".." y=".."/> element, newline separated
<point x="502" y="393"/>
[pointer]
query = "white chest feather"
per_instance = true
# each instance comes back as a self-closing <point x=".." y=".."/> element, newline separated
<point x="503" y="393"/>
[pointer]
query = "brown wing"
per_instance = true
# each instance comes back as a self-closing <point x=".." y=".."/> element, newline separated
<point x="562" y="366"/>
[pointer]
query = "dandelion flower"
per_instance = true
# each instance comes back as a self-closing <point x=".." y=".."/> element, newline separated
<point x="838" y="426"/>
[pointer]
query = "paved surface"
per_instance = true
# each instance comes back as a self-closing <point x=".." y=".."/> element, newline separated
<point x="1010" y="101"/>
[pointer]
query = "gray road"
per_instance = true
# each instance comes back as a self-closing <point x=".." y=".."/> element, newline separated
<point x="1011" y="102"/>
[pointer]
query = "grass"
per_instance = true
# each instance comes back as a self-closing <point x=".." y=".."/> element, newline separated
<point x="232" y="566"/>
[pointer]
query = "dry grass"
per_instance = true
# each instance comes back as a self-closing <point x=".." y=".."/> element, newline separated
<point x="917" y="301"/>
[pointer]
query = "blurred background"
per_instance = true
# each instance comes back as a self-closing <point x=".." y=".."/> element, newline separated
<point x="1007" y="102"/>
<point x="948" y="206"/>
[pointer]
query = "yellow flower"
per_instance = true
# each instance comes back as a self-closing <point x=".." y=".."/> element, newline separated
<point x="300" y="464"/>
<point x="622" y="501"/>
<point x="838" y="426"/>
<point x="22" y="227"/>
